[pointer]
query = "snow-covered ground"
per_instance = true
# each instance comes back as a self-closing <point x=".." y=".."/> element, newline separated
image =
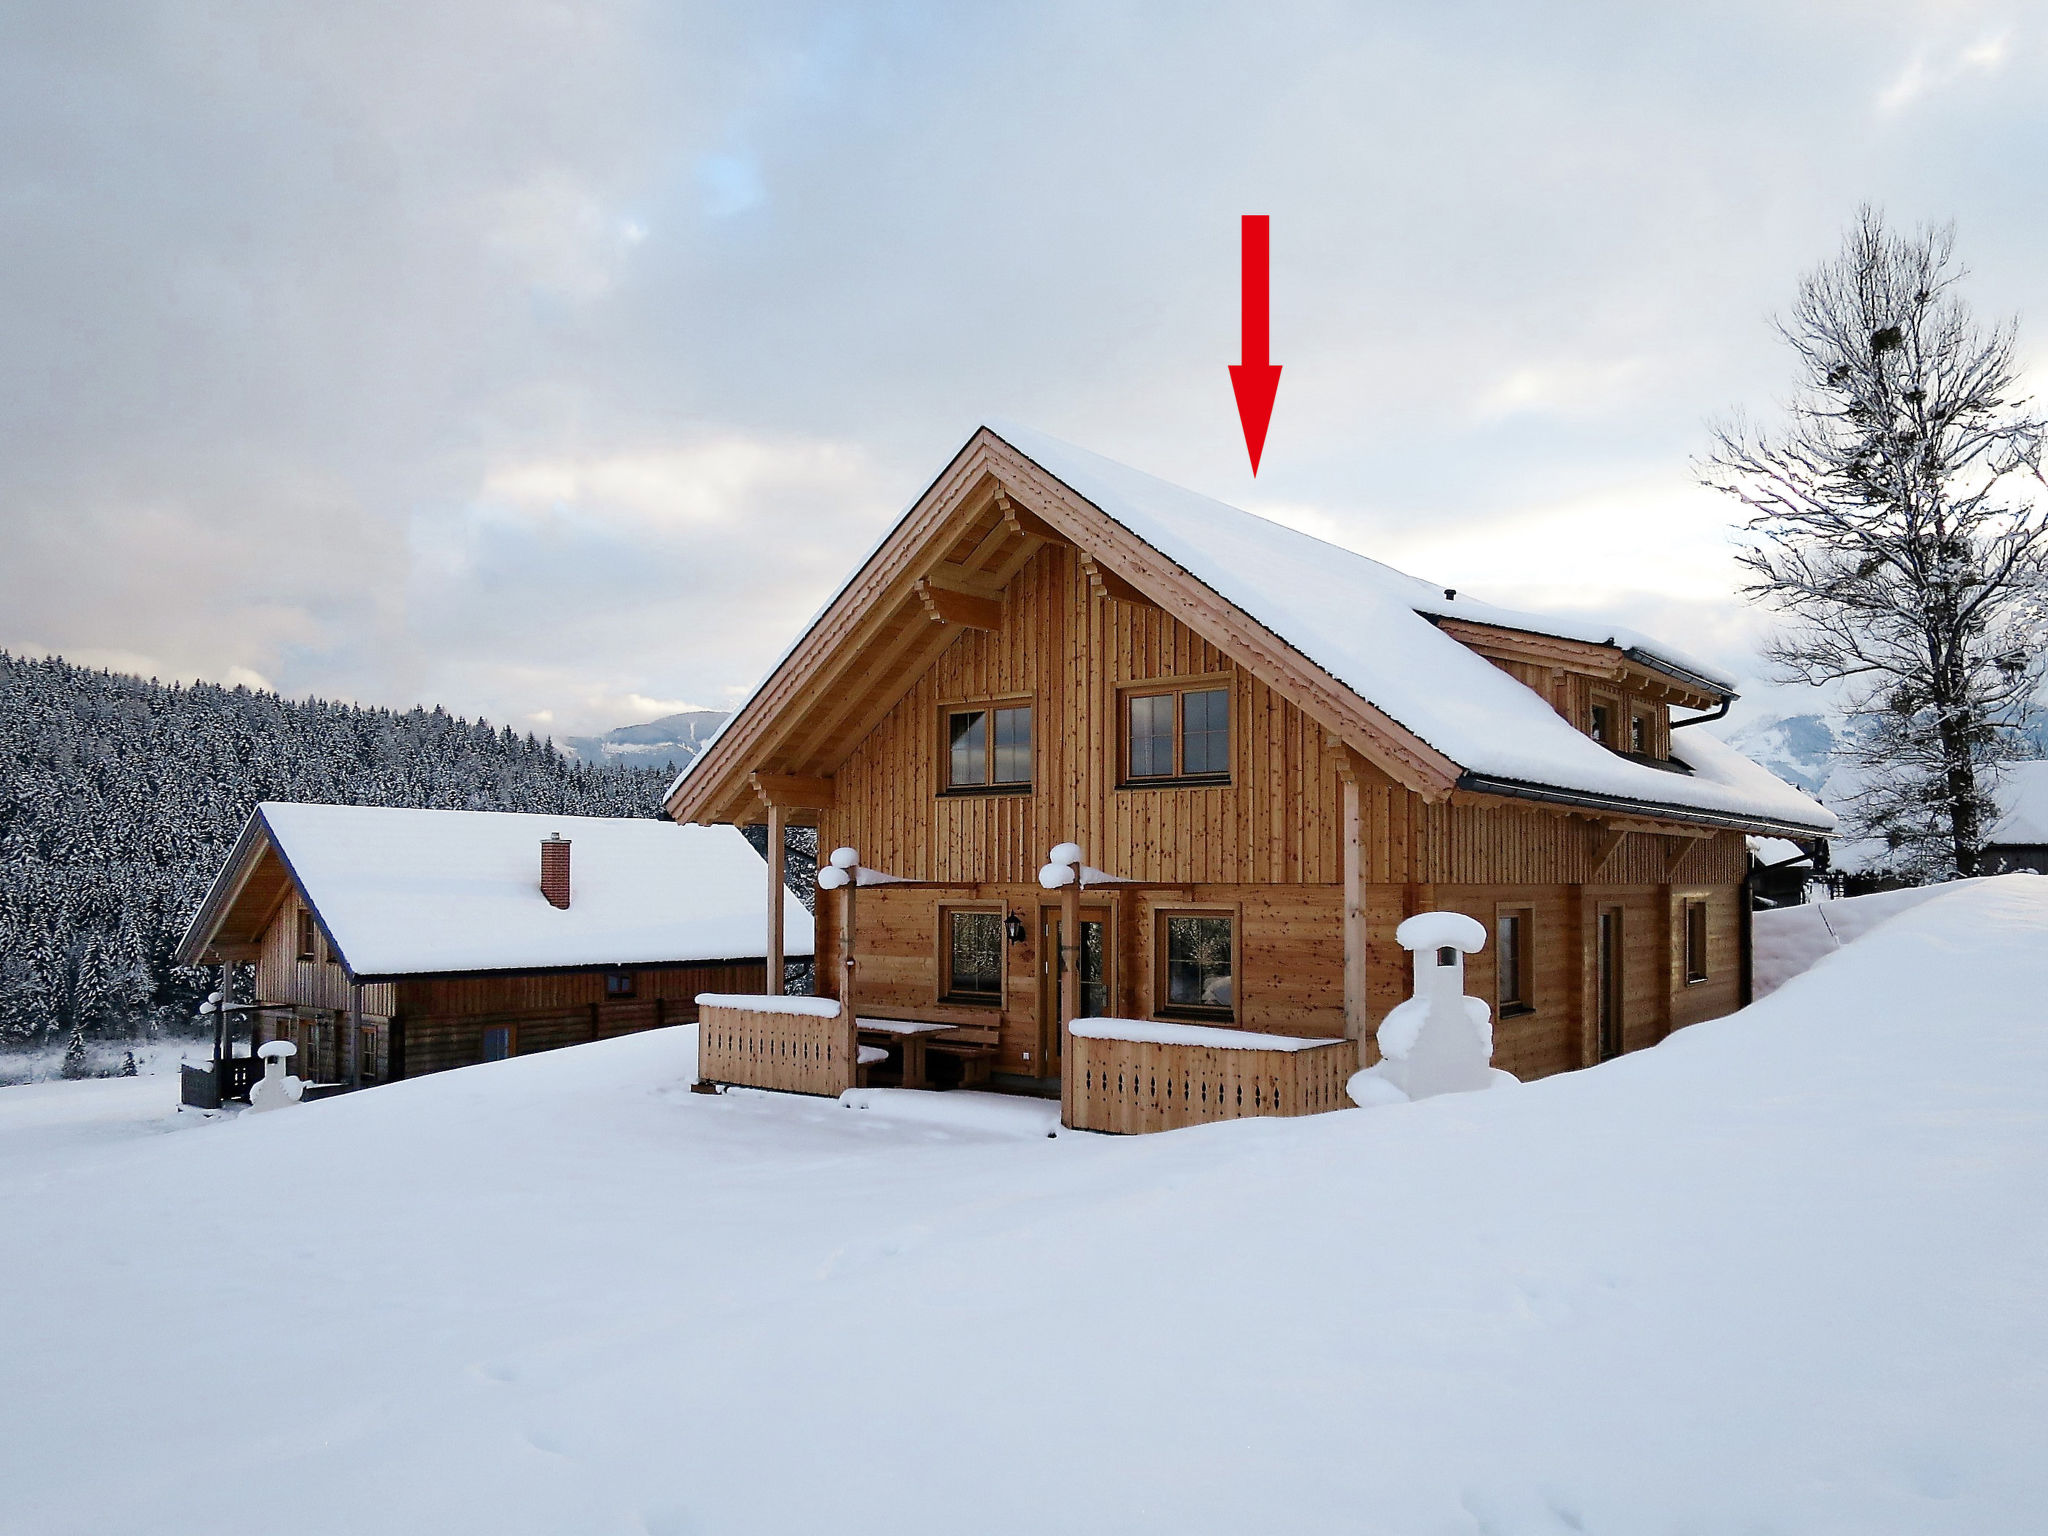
<point x="1780" y="1274"/>
<point x="103" y="1058"/>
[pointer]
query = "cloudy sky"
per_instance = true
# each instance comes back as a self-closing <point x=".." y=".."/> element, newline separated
<point x="554" y="360"/>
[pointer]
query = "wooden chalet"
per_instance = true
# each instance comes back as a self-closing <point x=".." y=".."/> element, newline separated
<point x="1269" y="750"/>
<point x="394" y="943"/>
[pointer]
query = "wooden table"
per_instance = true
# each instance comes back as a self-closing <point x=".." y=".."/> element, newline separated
<point x="911" y="1036"/>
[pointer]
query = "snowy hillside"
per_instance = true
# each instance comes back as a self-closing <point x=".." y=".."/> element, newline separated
<point x="1780" y="1274"/>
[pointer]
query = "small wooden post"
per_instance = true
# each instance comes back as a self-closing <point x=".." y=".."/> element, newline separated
<point x="778" y="840"/>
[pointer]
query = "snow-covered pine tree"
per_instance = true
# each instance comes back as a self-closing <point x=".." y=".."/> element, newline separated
<point x="74" y="1055"/>
<point x="1896" y="521"/>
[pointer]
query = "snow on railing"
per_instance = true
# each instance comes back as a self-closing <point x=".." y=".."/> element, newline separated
<point x="1156" y="1032"/>
<point x="815" y="1007"/>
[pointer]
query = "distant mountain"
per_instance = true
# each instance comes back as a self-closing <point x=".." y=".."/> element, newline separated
<point x="667" y="743"/>
<point x="1800" y="749"/>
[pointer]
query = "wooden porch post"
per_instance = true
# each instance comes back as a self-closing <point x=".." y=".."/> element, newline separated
<point x="1356" y="1017"/>
<point x="1070" y="955"/>
<point x="777" y="849"/>
<point x="847" y="1004"/>
<point x="220" y="1016"/>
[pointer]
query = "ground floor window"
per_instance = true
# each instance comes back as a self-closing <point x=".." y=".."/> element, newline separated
<point x="971" y="955"/>
<point x="1695" y="941"/>
<point x="1197" y="954"/>
<point x="1513" y="992"/>
<point x="368" y="1067"/>
<point x="497" y="1042"/>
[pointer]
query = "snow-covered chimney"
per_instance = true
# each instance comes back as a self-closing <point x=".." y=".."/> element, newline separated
<point x="554" y="869"/>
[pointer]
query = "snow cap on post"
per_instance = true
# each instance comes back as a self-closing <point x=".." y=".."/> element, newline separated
<point x="845" y="858"/>
<point x="1055" y="876"/>
<point x="1065" y="853"/>
<point x="277" y="1050"/>
<point x="831" y="877"/>
<point x="1442" y="930"/>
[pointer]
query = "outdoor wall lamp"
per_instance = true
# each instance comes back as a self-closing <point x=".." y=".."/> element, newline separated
<point x="1013" y="927"/>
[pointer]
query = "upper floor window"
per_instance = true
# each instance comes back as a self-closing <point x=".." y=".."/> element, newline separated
<point x="1177" y="733"/>
<point x="307" y="937"/>
<point x="618" y="983"/>
<point x="1638" y="732"/>
<point x="989" y="748"/>
<point x="1602" y="727"/>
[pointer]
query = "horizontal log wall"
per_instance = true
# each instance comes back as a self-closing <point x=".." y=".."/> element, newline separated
<point x="788" y="1052"/>
<point x="1131" y="1087"/>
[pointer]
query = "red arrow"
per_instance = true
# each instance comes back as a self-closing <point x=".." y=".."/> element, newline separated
<point x="1256" y="380"/>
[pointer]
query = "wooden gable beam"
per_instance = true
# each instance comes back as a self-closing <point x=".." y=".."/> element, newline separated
<point x="943" y="605"/>
<point x="793" y="791"/>
<point x="1103" y="582"/>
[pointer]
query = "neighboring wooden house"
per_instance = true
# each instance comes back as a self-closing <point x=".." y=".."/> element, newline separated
<point x="2018" y="839"/>
<point x="393" y="943"/>
<point x="1270" y="750"/>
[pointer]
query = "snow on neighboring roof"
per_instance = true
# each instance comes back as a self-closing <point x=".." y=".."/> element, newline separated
<point x="2022" y="797"/>
<point x="1368" y="626"/>
<point x="406" y="893"/>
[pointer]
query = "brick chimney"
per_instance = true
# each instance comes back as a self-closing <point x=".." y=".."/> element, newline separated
<point x="554" y="869"/>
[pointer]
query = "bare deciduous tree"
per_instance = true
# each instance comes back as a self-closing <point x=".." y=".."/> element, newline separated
<point x="1894" y="520"/>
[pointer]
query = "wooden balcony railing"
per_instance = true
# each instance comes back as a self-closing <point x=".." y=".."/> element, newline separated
<point x="794" y="1044"/>
<point x="1131" y="1076"/>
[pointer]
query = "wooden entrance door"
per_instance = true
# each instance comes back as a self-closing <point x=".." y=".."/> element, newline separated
<point x="1095" y="993"/>
<point x="1609" y="977"/>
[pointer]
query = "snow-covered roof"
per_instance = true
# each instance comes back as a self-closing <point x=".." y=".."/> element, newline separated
<point x="407" y="893"/>
<point x="1370" y="627"/>
<point x="2022" y="796"/>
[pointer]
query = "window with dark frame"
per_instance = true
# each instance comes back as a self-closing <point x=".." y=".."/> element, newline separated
<point x="1638" y="733"/>
<point x="618" y="983"/>
<point x="1197" y="957"/>
<point x="1512" y="990"/>
<point x="1179" y="733"/>
<point x="306" y="934"/>
<point x="989" y="748"/>
<point x="1602" y="726"/>
<point x="1695" y="941"/>
<point x="497" y="1042"/>
<point x="972" y="947"/>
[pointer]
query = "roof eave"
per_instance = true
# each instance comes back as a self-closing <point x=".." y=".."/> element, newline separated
<point x="1626" y="805"/>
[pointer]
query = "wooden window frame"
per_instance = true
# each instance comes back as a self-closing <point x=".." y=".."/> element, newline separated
<point x="1687" y="908"/>
<point x="1179" y="687"/>
<point x="307" y="938"/>
<point x="511" y="1041"/>
<point x="987" y="707"/>
<point x="368" y="1052"/>
<point x="943" y="993"/>
<point x="1231" y="1018"/>
<point x="1611" y="703"/>
<point x="1524" y="1001"/>
<point x="620" y="983"/>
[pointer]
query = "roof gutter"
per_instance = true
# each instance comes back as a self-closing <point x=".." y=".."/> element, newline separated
<point x="1586" y="800"/>
<point x="1700" y="680"/>
<point x="1715" y="714"/>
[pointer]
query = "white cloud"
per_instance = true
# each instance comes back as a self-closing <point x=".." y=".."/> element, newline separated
<point x="1929" y="71"/>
